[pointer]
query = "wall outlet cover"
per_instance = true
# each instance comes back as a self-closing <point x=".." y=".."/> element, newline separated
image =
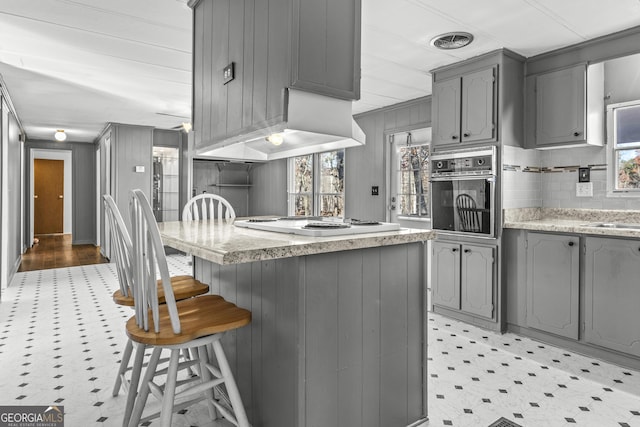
<point x="584" y="189"/>
<point x="584" y="174"/>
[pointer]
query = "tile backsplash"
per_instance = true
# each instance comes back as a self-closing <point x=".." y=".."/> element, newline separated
<point x="547" y="178"/>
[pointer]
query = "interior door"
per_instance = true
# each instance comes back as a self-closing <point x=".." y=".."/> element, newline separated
<point x="48" y="204"/>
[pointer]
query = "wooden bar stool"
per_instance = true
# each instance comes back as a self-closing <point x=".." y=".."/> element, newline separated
<point x="183" y="287"/>
<point x="197" y="324"/>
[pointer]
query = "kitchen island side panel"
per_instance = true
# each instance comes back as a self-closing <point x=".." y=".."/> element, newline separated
<point x="335" y="339"/>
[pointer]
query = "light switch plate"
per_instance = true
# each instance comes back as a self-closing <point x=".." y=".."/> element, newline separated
<point x="139" y="169"/>
<point x="584" y="189"/>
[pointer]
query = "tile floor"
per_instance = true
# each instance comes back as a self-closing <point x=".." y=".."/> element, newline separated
<point x="61" y="337"/>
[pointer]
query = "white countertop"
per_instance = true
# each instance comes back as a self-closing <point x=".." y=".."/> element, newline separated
<point x="573" y="221"/>
<point x="223" y="243"/>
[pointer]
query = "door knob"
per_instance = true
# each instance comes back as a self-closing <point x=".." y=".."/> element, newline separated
<point x="60" y="196"/>
<point x="35" y="196"/>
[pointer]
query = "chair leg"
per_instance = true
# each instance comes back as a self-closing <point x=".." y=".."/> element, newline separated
<point x="206" y="377"/>
<point x="230" y="384"/>
<point x="135" y="379"/>
<point x="124" y="364"/>
<point x="143" y="394"/>
<point x="166" y="413"/>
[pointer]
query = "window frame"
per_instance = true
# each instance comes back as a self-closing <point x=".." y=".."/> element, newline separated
<point x="316" y="195"/>
<point x="613" y="149"/>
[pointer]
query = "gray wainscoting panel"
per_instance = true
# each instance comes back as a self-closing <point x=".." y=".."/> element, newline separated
<point x="336" y="339"/>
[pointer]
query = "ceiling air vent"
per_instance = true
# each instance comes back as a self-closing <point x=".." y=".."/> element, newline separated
<point x="454" y="40"/>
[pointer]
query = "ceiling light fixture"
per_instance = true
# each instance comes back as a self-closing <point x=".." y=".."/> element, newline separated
<point x="275" y="138"/>
<point x="452" y="40"/>
<point x="60" y="135"/>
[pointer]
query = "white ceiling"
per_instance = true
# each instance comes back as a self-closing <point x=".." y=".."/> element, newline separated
<point x="80" y="64"/>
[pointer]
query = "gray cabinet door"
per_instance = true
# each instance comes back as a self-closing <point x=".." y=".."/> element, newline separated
<point x="446" y="112"/>
<point x="445" y="274"/>
<point x="553" y="283"/>
<point x="561" y="106"/>
<point x="477" y="280"/>
<point x="612" y="294"/>
<point x="478" y="106"/>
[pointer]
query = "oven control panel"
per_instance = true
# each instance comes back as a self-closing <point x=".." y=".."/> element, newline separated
<point x="471" y="165"/>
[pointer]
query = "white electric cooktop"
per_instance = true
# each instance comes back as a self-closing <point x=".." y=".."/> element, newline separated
<point x="315" y="226"/>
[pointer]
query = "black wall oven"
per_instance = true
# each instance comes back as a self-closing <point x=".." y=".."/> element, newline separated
<point x="463" y="199"/>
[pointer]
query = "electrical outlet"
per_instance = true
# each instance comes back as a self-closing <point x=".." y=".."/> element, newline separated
<point x="374" y="190"/>
<point x="584" y="189"/>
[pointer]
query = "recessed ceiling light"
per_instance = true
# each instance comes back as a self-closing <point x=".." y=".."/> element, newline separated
<point x="452" y="40"/>
<point x="60" y="135"/>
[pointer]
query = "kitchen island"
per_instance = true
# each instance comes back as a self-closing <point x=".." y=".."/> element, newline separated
<point x="338" y="331"/>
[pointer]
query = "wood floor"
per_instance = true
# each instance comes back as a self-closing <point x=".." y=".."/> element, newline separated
<point x="56" y="250"/>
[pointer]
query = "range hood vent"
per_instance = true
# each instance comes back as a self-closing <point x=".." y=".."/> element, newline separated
<point x="311" y="123"/>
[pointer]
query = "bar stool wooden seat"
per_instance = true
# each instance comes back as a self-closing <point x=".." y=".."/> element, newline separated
<point x="183" y="286"/>
<point x="197" y="324"/>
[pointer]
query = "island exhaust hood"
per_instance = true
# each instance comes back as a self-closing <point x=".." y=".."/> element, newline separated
<point x="311" y="123"/>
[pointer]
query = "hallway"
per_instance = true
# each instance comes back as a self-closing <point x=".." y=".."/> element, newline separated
<point x="56" y="251"/>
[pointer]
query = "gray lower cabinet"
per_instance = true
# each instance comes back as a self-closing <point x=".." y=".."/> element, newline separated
<point x="553" y="285"/>
<point x="445" y="273"/>
<point x="463" y="277"/>
<point x="612" y="294"/>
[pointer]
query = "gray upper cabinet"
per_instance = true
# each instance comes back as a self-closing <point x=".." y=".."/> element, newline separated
<point x="463" y="278"/>
<point x="464" y="109"/>
<point x="446" y="112"/>
<point x="553" y="284"/>
<point x="271" y="46"/>
<point x="558" y="104"/>
<point x="612" y="294"/>
<point x="479" y="101"/>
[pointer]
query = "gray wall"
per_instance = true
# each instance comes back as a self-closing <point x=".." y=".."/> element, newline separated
<point x="268" y="191"/>
<point x="83" y="188"/>
<point x="131" y="146"/>
<point x="11" y="213"/>
<point x="365" y="166"/>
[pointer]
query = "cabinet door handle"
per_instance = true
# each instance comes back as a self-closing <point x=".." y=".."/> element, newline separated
<point x="576" y="133"/>
<point x="467" y="134"/>
<point x="570" y="243"/>
<point x="454" y="249"/>
<point x="454" y="136"/>
<point x="466" y="251"/>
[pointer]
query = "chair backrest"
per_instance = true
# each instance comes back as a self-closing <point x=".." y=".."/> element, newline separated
<point x="121" y="245"/>
<point x="467" y="212"/>
<point x="149" y="262"/>
<point x="207" y="206"/>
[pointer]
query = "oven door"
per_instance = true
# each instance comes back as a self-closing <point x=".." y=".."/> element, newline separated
<point x="464" y="204"/>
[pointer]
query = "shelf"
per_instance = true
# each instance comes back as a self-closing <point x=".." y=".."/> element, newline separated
<point x="229" y="185"/>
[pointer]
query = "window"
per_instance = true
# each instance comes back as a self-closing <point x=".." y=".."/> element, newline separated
<point x="414" y="180"/>
<point x="623" y="122"/>
<point x="410" y="157"/>
<point x="316" y="184"/>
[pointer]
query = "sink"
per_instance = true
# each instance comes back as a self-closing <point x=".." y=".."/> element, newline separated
<point x="613" y="225"/>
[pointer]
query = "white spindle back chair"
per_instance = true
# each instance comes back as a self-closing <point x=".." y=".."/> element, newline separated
<point x="207" y="206"/>
<point x="195" y="324"/>
<point x="183" y="287"/>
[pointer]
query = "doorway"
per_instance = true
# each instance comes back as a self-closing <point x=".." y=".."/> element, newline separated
<point x="48" y="196"/>
<point x="64" y="156"/>
<point x="408" y="178"/>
